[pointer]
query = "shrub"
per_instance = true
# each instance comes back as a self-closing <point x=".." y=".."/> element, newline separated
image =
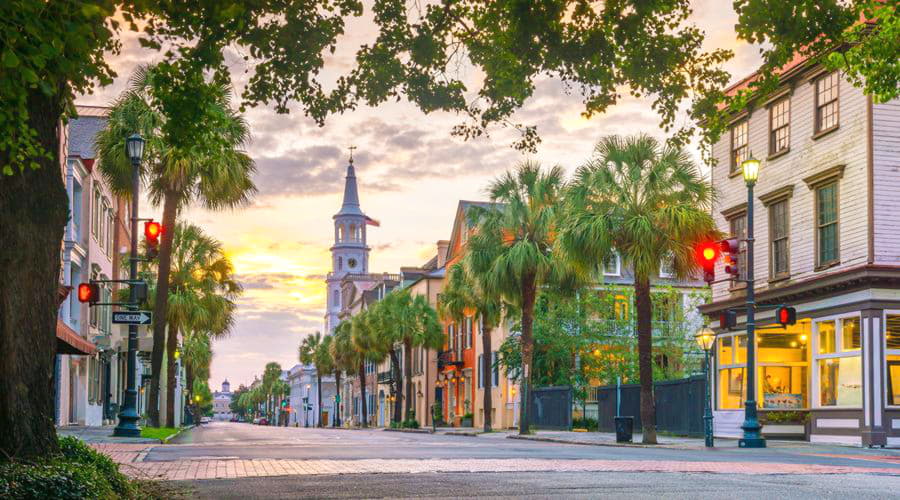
<point x="469" y="416"/>
<point x="585" y="423"/>
<point x="75" y="450"/>
<point x="395" y="425"/>
<point x="58" y="479"/>
<point x="410" y="424"/>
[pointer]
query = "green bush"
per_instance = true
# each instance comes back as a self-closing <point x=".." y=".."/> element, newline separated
<point x="75" y="450"/>
<point x="584" y="423"/>
<point x="410" y="424"/>
<point x="469" y="416"/>
<point x="395" y="425"/>
<point x="58" y="479"/>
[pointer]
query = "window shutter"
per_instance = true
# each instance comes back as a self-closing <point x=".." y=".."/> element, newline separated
<point x="480" y="372"/>
<point x="495" y="369"/>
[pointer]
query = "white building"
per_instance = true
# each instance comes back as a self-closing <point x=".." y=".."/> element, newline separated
<point x="827" y="214"/>
<point x="304" y="402"/>
<point x="222" y="402"/>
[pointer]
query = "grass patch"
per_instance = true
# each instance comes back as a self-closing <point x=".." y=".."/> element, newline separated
<point x="160" y="433"/>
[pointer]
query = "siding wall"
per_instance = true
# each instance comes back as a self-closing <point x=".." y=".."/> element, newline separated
<point x="845" y="146"/>
<point x="886" y="174"/>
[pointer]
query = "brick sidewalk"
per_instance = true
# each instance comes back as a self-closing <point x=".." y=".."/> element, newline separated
<point x="131" y="459"/>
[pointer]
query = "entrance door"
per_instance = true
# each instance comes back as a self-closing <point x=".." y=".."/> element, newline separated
<point x="438" y="399"/>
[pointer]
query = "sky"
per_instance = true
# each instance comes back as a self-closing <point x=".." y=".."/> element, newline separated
<point x="411" y="175"/>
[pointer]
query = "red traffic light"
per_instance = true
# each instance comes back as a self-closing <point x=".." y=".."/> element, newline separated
<point x="707" y="255"/>
<point x="152" y="230"/>
<point x="88" y="292"/>
<point x="786" y="316"/>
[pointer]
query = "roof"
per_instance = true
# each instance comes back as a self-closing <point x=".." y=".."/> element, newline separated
<point x="82" y="135"/>
<point x="350" y="205"/>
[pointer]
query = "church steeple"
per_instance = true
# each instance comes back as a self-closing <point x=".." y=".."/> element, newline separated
<point x="351" y="193"/>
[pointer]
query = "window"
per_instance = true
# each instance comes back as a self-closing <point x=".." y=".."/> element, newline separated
<point x="110" y="235"/>
<point x="621" y="307"/>
<point x="827" y="225"/>
<point x="778" y="236"/>
<point x="495" y="368"/>
<point x="740" y="148"/>
<point x="94" y="311"/>
<point x="612" y="265"/>
<point x="838" y="362"/>
<point x="74" y="304"/>
<point x="95" y="214"/>
<point x="76" y="210"/>
<point x="480" y="370"/>
<point x="667" y="266"/>
<point x="892" y="358"/>
<point x="738" y="226"/>
<point x="731" y="365"/>
<point x="340" y="263"/>
<point x="827" y="102"/>
<point x="467" y="332"/>
<point x="780" y="126"/>
<point x="783" y="360"/>
<point x="336" y="299"/>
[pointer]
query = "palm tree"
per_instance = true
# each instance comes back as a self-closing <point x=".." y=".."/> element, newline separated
<point x="362" y="338"/>
<point x="271" y="377"/>
<point x="511" y="253"/>
<point x="315" y="350"/>
<point x="216" y="173"/>
<point x="385" y="317"/>
<point x="420" y="328"/>
<point x="648" y="202"/>
<point x="196" y="352"/>
<point x="462" y="297"/>
<point x="202" y="294"/>
<point x="344" y="356"/>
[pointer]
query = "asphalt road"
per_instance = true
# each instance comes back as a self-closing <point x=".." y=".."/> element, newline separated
<point x="247" y="441"/>
<point x="334" y="453"/>
<point x="549" y="485"/>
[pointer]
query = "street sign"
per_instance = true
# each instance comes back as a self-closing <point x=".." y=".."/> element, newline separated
<point x="132" y="317"/>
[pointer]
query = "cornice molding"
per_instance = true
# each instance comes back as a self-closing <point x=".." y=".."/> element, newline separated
<point x="776" y="195"/>
<point x="825" y="176"/>
<point x="730" y="213"/>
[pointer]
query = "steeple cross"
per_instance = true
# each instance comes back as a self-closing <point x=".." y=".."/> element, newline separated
<point x="351" y="148"/>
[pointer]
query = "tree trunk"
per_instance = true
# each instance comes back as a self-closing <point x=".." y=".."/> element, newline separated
<point x="337" y="401"/>
<point x="362" y="395"/>
<point x="644" y="310"/>
<point x="398" y="383"/>
<point x="189" y="387"/>
<point x="170" y="211"/>
<point x="33" y="215"/>
<point x="529" y="291"/>
<point x="487" y="370"/>
<point x="407" y="375"/>
<point x="171" y="373"/>
<point x="318" y="398"/>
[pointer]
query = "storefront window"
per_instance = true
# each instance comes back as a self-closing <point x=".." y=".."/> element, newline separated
<point x="892" y="358"/>
<point x="740" y="354"/>
<point x="732" y="388"/>
<point x="783" y="361"/>
<point x="838" y="363"/>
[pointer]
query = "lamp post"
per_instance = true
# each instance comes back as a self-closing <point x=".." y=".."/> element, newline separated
<point x="705" y="339"/>
<point x="752" y="435"/>
<point x="128" y="418"/>
<point x="306" y="408"/>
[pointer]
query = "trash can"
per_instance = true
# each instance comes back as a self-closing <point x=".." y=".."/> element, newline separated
<point x="624" y="429"/>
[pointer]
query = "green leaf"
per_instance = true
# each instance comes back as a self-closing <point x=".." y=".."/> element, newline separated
<point x="10" y="60"/>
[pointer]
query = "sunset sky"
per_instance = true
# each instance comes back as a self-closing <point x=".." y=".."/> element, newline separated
<point x="411" y="175"/>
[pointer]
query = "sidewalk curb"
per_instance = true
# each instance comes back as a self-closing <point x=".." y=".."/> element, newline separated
<point x="611" y="445"/>
<point x="173" y="436"/>
<point x="461" y="433"/>
<point x="415" y="431"/>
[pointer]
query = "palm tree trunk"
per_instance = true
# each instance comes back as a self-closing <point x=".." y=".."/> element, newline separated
<point x="170" y="211"/>
<point x="362" y="394"/>
<point x="318" y="398"/>
<point x="407" y="374"/>
<point x="487" y="377"/>
<point x="529" y="290"/>
<point x="171" y="373"/>
<point x="33" y="215"/>
<point x="398" y="380"/>
<point x="337" y="401"/>
<point x="645" y="358"/>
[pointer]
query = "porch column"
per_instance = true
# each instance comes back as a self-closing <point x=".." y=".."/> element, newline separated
<point x="873" y="433"/>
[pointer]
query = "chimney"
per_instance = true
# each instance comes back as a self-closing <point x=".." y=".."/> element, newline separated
<point x="443" y="246"/>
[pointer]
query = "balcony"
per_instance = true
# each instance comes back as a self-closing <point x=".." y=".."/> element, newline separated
<point x="386" y="377"/>
<point x="448" y="358"/>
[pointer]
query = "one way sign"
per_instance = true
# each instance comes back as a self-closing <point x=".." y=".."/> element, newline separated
<point x="132" y="317"/>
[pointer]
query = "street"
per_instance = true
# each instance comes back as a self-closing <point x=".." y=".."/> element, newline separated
<point x="231" y="460"/>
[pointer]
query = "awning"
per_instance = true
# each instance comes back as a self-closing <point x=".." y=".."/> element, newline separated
<point x="69" y="342"/>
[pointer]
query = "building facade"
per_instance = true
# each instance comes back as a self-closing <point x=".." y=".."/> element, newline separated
<point x="827" y="207"/>
<point x="222" y="403"/>
<point x="304" y="398"/>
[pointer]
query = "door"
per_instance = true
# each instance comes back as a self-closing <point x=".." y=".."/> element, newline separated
<point x="438" y="399"/>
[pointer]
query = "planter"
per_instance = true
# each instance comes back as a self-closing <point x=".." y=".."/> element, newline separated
<point x="465" y="422"/>
<point x="624" y="429"/>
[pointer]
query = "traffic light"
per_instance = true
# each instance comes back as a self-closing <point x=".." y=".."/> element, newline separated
<point x="707" y="255"/>
<point x="152" y="231"/>
<point x="284" y="403"/>
<point x="731" y="248"/>
<point x="727" y="319"/>
<point x="786" y="315"/>
<point x="88" y="292"/>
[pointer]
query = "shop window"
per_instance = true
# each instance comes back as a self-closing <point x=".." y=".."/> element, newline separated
<point x="783" y="366"/>
<point x="838" y="363"/>
<point x="731" y="359"/>
<point x="892" y="358"/>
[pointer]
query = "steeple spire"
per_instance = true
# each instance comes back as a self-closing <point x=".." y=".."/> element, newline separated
<point x="350" y="205"/>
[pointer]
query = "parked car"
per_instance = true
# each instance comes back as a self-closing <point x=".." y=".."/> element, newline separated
<point x="205" y="420"/>
<point x="263" y="421"/>
<point x="256" y="420"/>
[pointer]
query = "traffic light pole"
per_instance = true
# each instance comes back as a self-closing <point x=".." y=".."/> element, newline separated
<point x="752" y="436"/>
<point x="128" y="418"/>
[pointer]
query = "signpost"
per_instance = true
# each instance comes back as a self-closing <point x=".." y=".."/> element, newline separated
<point x="132" y="317"/>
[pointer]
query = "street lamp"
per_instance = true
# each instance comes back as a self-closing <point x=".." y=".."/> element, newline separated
<point x="752" y="435"/>
<point x="705" y="339"/>
<point x="128" y="418"/>
<point x="306" y="408"/>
